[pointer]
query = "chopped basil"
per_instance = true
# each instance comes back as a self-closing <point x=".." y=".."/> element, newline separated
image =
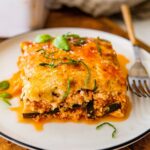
<point x="95" y="86"/>
<point x="68" y="89"/>
<point x="40" y="50"/>
<point x="61" y="43"/>
<point x="79" y="42"/>
<point x="88" y="73"/>
<point x="43" y="38"/>
<point x="93" y="89"/>
<point x="45" y="54"/>
<point x="98" y="47"/>
<point x="69" y="35"/>
<point x="71" y="61"/>
<point x="103" y="40"/>
<point x="52" y="65"/>
<point x="98" y="38"/>
<point x="4" y="85"/>
<point x="107" y="123"/>
<point x="5" y="97"/>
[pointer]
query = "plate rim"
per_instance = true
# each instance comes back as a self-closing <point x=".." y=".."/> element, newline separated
<point x="131" y="141"/>
<point x="21" y="143"/>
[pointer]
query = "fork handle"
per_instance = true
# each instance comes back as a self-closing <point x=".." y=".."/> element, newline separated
<point x="128" y="21"/>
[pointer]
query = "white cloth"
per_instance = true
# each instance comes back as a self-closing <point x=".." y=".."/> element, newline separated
<point x="93" y="7"/>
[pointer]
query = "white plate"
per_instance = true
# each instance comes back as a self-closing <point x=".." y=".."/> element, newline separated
<point x="72" y="136"/>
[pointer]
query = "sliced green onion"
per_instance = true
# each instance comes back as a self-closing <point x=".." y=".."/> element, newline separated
<point x="61" y="43"/>
<point x="5" y="97"/>
<point x="107" y="123"/>
<point x="43" y="38"/>
<point x="68" y="89"/>
<point x="4" y="85"/>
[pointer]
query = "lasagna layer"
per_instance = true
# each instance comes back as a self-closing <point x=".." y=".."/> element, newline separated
<point x="85" y="81"/>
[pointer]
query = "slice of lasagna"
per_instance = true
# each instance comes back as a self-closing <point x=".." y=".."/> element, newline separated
<point x="71" y="78"/>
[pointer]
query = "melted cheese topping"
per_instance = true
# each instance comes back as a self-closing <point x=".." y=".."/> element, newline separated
<point x="45" y="86"/>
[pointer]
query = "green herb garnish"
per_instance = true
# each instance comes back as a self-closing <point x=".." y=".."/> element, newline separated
<point x="61" y="43"/>
<point x="68" y="89"/>
<point x="98" y="38"/>
<point x="95" y="86"/>
<point x="107" y="123"/>
<point x="98" y="47"/>
<point x="93" y="89"/>
<point x="4" y="85"/>
<point x="43" y="38"/>
<point x="52" y="65"/>
<point x="5" y="97"/>
<point x="71" y="62"/>
<point x="80" y="42"/>
<point x="88" y="73"/>
<point x="69" y="35"/>
<point x="41" y="50"/>
<point x="45" y="54"/>
<point x="105" y="40"/>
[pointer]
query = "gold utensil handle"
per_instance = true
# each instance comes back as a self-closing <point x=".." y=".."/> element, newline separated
<point x="128" y="21"/>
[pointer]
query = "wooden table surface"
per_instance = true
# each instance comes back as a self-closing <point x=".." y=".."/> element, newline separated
<point x="75" y="18"/>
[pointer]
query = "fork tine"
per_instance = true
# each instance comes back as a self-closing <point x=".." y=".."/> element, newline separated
<point x="134" y="85"/>
<point x="146" y="86"/>
<point x="142" y="89"/>
<point x="131" y="89"/>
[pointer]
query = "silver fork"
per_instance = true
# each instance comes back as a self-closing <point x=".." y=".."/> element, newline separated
<point x="138" y="79"/>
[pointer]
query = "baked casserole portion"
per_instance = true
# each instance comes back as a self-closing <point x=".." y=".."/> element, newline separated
<point x="71" y="77"/>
